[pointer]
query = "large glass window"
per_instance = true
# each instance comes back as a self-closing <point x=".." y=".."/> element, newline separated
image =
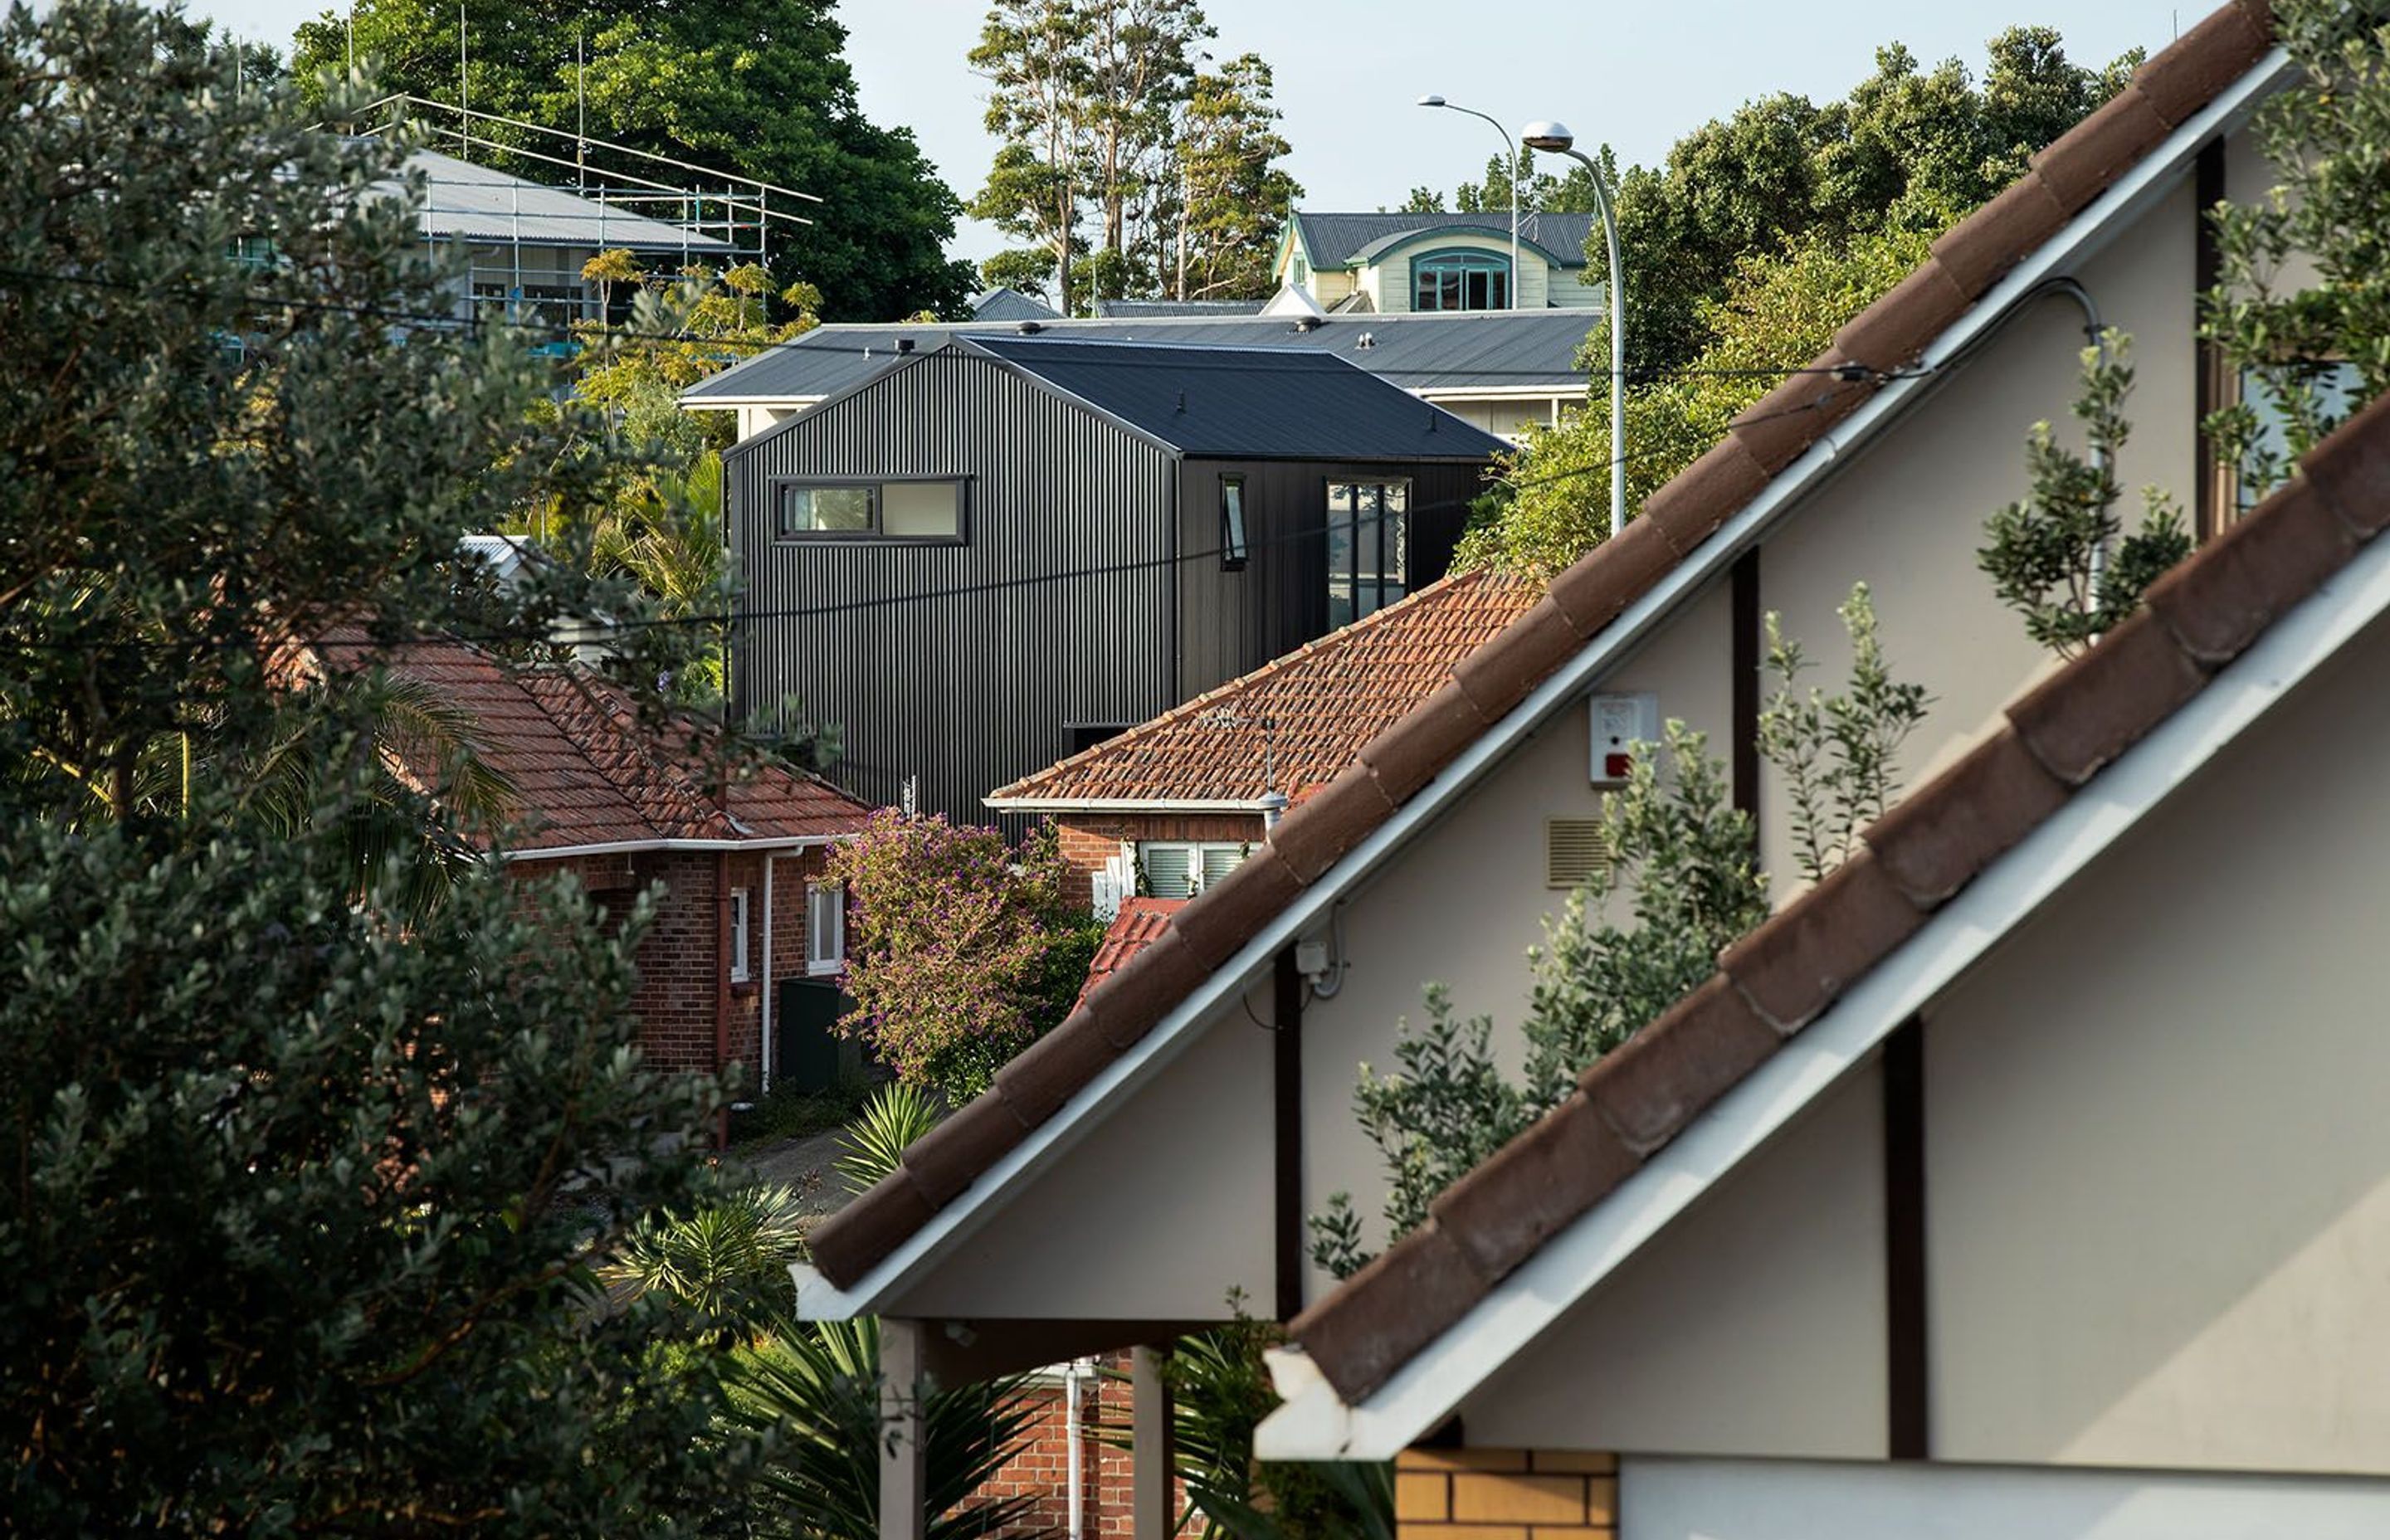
<point x="1368" y="551"/>
<point x="886" y="510"/>
<point x="1461" y="280"/>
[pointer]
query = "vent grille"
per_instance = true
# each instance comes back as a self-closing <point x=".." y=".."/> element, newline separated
<point x="1573" y="852"/>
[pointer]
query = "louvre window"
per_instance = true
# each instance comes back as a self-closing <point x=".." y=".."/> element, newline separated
<point x="871" y="510"/>
<point x="1175" y="868"/>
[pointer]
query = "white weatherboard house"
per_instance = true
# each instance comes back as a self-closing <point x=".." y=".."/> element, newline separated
<point x="1392" y="264"/>
<point x="2025" y="1178"/>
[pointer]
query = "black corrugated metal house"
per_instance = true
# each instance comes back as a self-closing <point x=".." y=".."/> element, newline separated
<point x="996" y="553"/>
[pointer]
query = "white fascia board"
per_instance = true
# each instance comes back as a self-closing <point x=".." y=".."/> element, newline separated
<point x="1125" y="804"/>
<point x="724" y="404"/>
<point x="2089" y="231"/>
<point x="1433" y="1384"/>
<point x="634" y="847"/>
<point x="1570" y="388"/>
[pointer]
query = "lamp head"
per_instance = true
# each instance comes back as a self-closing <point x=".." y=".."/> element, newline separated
<point x="1430" y="99"/>
<point x="1552" y="138"/>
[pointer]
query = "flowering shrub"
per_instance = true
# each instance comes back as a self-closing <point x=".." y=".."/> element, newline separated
<point x="961" y="949"/>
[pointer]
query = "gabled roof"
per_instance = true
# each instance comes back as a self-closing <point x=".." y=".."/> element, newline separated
<point x="1002" y="305"/>
<point x="1244" y="403"/>
<point x="1460" y="728"/>
<point x="1140" y="923"/>
<point x="1522" y="350"/>
<point x="1297" y="720"/>
<point x="1343" y="240"/>
<point x="464" y="201"/>
<point x="2048" y="748"/>
<point x="586" y="772"/>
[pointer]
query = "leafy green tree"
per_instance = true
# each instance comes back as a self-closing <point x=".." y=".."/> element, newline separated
<point x="306" y="1192"/>
<point x="1233" y="198"/>
<point x="2055" y="557"/>
<point x="1836" y="751"/>
<point x="760" y="87"/>
<point x="2328" y="139"/>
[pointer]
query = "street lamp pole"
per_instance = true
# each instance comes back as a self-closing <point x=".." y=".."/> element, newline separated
<point x="1511" y="147"/>
<point x="1555" y="139"/>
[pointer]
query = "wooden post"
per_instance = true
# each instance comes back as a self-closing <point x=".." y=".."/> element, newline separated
<point x="1153" y="1500"/>
<point x="903" y="1482"/>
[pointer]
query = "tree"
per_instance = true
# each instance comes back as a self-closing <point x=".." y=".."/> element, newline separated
<point x="1232" y="198"/>
<point x="301" y="1240"/>
<point x="962" y="950"/>
<point x="2049" y="555"/>
<point x="1031" y="53"/>
<point x="760" y="87"/>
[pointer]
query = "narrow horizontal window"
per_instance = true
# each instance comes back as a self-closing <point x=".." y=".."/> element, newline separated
<point x="865" y="511"/>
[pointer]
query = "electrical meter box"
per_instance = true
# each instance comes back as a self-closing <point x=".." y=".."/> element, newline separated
<point x="1623" y="727"/>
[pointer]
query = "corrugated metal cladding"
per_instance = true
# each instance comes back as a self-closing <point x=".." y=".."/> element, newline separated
<point x="964" y="666"/>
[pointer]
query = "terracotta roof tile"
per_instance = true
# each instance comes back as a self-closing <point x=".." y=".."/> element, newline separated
<point x="1533" y="1186"/>
<point x="1433" y="722"/>
<point x="587" y="771"/>
<point x="1809" y="954"/>
<point x="1141" y="923"/>
<point x="1322" y="703"/>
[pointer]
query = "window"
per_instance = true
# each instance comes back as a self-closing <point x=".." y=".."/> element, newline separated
<point x="1233" y="547"/>
<point x="738" y="935"/>
<point x="824" y="927"/>
<point x="2337" y="387"/>
<point x="1175" y="868"/>
<point x="871" y="510"/>
<point x="1367" y="547"/>
<point x="1300" y="269"/>
<point x="1461" y="280"/>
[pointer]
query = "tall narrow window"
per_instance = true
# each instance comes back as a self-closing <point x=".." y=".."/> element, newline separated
<point x="1368" y="552"/>
<point x="738" y="935"/>
<point x="1233" y="547"/>
<point x="824" y="927"/>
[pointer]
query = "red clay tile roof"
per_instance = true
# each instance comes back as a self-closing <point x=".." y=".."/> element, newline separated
<point x="1322" y="701"/>
<point x="1895" y="331"/>
<point x="1792" y="969"/>
<point x="1140" y="923"/>
<point x="585" y="770"/>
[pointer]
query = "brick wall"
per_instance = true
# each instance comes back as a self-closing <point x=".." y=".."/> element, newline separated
<point x="681" y="960"/>
<point x="1042" y="1469"/>
<point x="1505" y="1495"/>
<point x="1089" y="840"/>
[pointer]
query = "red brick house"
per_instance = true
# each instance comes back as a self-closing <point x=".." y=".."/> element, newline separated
<point x="738" y="848"/>
<point x="1179" y="800"/>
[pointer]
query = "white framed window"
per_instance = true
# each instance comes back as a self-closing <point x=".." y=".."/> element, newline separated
<point x="824" y="927"/>
<point x="1181" y="869"/>
<point x="738" y="935"/>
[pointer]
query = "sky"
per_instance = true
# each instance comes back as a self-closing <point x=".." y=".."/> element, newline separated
<point x="1349" y="71"/>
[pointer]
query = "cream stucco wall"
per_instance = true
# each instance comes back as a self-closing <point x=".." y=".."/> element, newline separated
<point x="2159" y="1167"/>
<point x="1754" y="1325"/>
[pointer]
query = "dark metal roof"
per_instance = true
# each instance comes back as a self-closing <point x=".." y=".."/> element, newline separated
<point x="1244" y="403"/>
<point x="1474" y="351"/>
<point x="1333" y="241"/>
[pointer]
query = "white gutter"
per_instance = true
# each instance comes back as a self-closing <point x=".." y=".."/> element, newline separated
<point x="633" y="847"/>
<point x="950" y="1227"/>
<point x="1125" y="804"/>
<point x="1317" y="1425"/>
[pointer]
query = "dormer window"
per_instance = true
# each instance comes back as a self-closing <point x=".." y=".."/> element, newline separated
<point x="1461" y="280"/>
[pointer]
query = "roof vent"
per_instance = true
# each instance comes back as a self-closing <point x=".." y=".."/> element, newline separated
<point x="1367" y="339"/>
<point x="1029" y="328"/>
<point x="903" y="344"/>
<point x="1574" y="852"/>
<point x="1307" y="322"/>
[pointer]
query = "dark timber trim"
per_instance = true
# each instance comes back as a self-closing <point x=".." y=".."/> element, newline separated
<point x="1287" y="1121"/>
<point x="1906" y="1385"/>
<point x="2214" y="487"/>
<point x="1747" y="625"/>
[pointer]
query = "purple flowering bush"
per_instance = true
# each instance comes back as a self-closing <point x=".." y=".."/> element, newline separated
<point x="962" y="949"/>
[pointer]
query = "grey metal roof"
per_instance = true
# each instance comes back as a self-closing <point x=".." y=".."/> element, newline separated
<point x="1335" y="240"/>
<point x="1009" y="304"/>
<point x="1134" y="309"/>
<point x="1475" y="350"/>
<point x="465" y="201"/>
<point x="1245" y="402"/>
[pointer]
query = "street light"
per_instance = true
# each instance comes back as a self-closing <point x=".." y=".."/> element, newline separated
<point x="1511" y="156"/>
<point x="1555" y="139"/>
